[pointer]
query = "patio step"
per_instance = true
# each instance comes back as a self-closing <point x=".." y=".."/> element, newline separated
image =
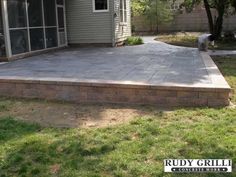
<point x="98" y="92"/>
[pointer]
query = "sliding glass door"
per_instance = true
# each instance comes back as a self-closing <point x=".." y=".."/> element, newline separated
<point x="36" y="25"/>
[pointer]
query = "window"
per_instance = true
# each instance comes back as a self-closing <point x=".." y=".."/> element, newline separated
<point x="60" y="2"/>
<point x="100" y="5"/>
<point x="123" y="11"/>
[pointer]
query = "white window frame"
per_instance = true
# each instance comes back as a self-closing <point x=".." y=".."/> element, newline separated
<point x="124" y="11"/>
<point x="105" y="10"/>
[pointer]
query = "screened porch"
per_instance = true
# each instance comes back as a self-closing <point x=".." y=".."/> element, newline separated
<point x="28" y="26"/>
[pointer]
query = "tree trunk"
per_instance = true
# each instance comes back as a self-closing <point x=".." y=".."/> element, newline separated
<point x="157" y="29"/>
<point x="209" y="16"/>
<point x="219" y="21"/>
<point x="157" y="20"/>
<point x="157" y="25"/>
<point x="218" y="27"/>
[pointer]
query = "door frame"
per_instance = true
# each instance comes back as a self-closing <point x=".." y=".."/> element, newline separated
<point x="58" y="29"/>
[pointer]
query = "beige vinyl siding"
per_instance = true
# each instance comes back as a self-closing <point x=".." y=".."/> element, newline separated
<point x="122" y="30"/>
<point x="86" y="26"/>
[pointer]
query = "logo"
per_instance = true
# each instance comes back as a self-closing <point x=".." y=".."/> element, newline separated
<point x="198" y="165"/>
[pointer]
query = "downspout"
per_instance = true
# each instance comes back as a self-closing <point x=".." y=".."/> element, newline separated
<point x="113" y="16"/>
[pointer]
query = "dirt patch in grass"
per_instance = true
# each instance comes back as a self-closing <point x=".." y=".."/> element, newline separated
<point x="190" y="40"/>
<point x="70" y="115"/>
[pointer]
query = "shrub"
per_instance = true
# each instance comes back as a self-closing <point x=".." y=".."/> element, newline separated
<point x="134" y="40"/>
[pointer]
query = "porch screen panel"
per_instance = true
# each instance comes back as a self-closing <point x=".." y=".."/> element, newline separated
<point x="19" y="41"/>
<point x="37" y="39"/>
<point x="51" y="37"/>
<point x="18" y="26"/>
<point x="17" y="13"/>
<point x="50" y="23"/>
<point x="50" y="12"/>
<point x="35" y="15"/>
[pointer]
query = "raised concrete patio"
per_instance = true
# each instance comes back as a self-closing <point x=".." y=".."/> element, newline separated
<point x="154" y="73"/>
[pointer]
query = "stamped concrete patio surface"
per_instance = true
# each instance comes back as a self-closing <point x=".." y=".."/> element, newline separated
<point x="155" y="73"/>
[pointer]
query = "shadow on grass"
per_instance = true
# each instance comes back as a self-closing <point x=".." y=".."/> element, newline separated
<point x="35" y="153"/>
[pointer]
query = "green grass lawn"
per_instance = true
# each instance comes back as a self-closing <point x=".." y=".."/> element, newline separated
<point x="227" y="65"/>
<point x="190" y="40"/>
<point x="135" y="149"/>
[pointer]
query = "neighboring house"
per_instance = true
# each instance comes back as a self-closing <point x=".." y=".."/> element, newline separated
<point x="33" y="26"/>
<point x="194" y="21"/>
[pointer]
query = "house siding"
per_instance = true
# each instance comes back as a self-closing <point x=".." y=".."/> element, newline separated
<point x="122" y="30"/>
<point x="86" y="26"/>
